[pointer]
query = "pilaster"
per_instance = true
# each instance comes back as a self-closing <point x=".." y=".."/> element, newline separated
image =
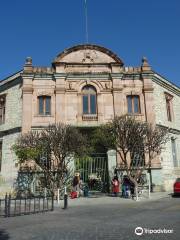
<point x="148" y="91"/>
<point x="118" y="95"/>
<point x="27" y="90"/>
<point x="100" y="107"/>
<point x="60" y="99"/>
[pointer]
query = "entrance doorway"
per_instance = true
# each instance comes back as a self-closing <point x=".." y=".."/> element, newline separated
<point x="94" y="171"/>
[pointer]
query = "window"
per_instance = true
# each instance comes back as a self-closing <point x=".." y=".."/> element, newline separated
<point x="169" y="106"/>
<point x="0" y="155"/>
<point x="174" y="152"/>
<point x="44" y="105"/>
<point x="133" y="103"/>
<point x="2" y="109"/>
<point x="89" y="100"/>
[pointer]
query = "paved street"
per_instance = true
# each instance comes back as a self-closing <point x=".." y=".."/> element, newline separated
<point x="98" y="218"/>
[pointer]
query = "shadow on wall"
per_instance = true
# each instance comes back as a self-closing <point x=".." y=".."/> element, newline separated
<point x="4" y="235"/>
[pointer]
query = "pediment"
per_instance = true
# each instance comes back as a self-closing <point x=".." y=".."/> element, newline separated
<point x="90" y="54"/>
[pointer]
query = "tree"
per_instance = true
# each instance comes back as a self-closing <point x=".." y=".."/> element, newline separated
<point x="49" y="153"/>
<point x="137" y="143"/>
<point x="156" y="139"/>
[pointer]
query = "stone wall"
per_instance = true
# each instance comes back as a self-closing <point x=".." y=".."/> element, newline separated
<point x="8" y="172"/>
<point x="160" y="107"/>
<point x="13" y="114"/>
<point x="9" y="131"/>
<point x="168" y="173"/>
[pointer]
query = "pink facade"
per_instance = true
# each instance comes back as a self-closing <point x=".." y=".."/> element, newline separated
<point x="71" y="71"/>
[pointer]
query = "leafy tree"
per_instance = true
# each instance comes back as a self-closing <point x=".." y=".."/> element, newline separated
<point x="49" y="153"/>
<point x="137" y="143"/>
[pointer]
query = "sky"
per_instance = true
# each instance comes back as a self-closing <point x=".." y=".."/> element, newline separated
<point x="131" y="29"/>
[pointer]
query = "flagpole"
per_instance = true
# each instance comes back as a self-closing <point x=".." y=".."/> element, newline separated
<point x="86" y="16"/>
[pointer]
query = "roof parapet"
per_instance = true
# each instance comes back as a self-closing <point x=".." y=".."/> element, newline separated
<point x="130" y="70"/>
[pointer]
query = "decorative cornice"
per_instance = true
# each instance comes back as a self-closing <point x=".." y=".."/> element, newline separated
<point x="11" y="78"/>
<point x="171" y="130"/>
<point x="10" y="131"/>
<point x="174" y="131"/>
<point x="166" y="84"/>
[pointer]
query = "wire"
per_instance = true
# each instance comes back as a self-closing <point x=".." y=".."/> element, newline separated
<point x="86" y="17"/>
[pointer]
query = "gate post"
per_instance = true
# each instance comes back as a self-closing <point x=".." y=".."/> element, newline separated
<point x="71" y="164"/>
<point x="112" y="163"/>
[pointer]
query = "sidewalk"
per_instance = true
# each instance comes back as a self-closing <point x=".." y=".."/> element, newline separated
<point x="156" y="196"/>
<point x="105" y="199"/>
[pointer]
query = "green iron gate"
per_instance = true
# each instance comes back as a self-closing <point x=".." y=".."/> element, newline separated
<point x="93" y="171"/>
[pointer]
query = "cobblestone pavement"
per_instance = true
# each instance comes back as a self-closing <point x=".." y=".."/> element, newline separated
<point x="98" y="218"/>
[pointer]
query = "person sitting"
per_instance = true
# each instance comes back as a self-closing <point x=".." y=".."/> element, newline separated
<point x="126" y="187"/>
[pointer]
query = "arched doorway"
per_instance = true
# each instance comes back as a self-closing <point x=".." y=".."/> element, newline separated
<point x="93" y="168"/>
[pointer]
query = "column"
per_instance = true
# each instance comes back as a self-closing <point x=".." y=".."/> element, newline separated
<point x="111" y="162"/>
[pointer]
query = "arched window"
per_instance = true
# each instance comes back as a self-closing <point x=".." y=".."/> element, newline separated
<point x="44" y="103"/>
<point x="89" y="99"/>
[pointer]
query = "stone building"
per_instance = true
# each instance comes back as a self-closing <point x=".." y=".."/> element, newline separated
<point x="88" y="85"/>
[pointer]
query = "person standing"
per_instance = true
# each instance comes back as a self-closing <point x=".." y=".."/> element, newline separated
<point x="76" y="184"/>
<point x="115" y="186"/>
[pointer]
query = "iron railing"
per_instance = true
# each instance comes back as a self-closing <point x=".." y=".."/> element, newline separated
<point x="10" y="207"/>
